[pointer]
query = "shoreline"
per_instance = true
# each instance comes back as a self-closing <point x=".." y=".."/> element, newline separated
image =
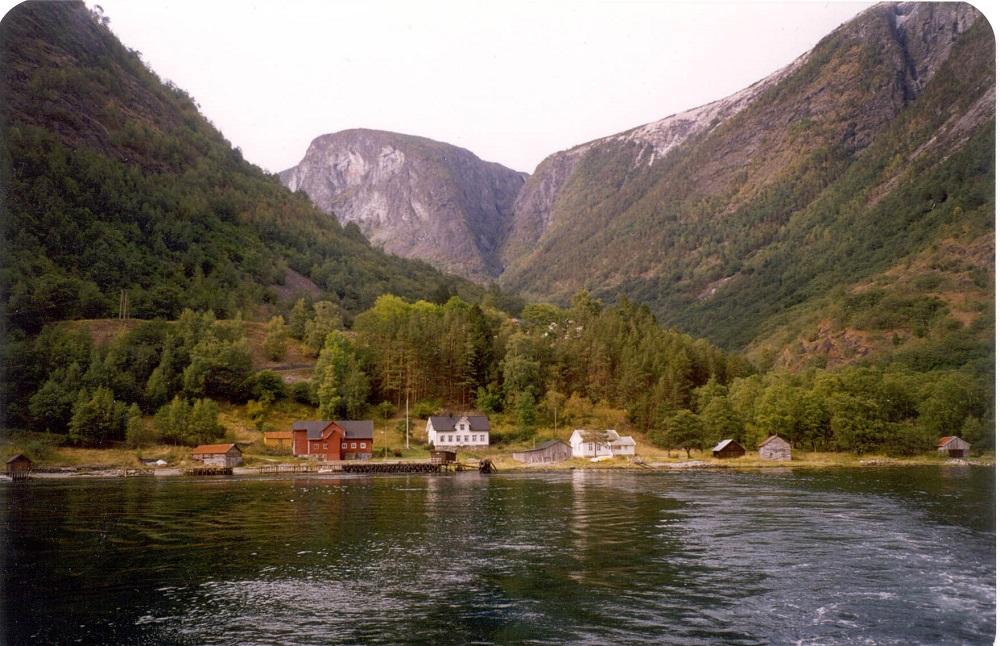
<point x="105" y="473"/>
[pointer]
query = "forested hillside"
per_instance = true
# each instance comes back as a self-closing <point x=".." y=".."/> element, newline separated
<point x="779" y="212"/>
<point x="114" y="181"/>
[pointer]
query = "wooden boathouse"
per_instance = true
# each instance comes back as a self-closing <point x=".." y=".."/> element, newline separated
<point x="775" y="448"/>
<point x="547" y="452"/>
<point x="953" y="447"/>
<point x="19" y="467"/>
<point x="728" y="449"/>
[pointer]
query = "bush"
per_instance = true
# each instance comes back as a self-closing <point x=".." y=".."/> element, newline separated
<point x="302" y="393"/>
<point x="268" y="385"/>
<point x="425" y="408"/>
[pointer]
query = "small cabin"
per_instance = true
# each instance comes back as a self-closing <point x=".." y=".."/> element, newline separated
<point x="280" y="440"/>
<point x="547" y="452"/>
<point x="19" y="466"/>
<point x="218" y="455"/>
<point x="775" y="448"/>
<point x="728" y="449"/>
<point x="953" y="447"/>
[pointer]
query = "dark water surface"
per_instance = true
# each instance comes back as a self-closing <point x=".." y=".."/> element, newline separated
<point x="848" y="556"/>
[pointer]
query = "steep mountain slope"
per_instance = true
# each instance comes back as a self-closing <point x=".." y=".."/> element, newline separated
<point x="415" y="197"/>
<point x="763" y="210"/>
<point x="114" y="181"/>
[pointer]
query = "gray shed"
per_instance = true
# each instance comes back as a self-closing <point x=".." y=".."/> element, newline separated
<point x="775" y="448"/>
<point x="953" y="447"/>
<point x="551" y="451"/>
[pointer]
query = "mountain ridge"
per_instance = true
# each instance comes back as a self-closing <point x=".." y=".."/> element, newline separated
<point x="413" y="196"/>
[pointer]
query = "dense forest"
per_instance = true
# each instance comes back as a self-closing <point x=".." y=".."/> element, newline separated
<point x="550" y="363"/>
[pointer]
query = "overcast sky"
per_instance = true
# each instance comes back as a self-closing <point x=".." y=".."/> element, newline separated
<point x="511" y="81"/>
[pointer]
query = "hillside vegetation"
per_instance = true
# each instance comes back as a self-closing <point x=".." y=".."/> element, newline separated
<point x="870" y="156"/>
<point x="114" y="181"/>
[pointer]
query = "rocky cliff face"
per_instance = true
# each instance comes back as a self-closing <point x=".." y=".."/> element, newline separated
<point x="415" y="197"/>
<point x="723" y="216"/>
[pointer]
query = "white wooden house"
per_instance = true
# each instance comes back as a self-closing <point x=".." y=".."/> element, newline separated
<point x="454" y="431"/>
<point x="595" y="444"/>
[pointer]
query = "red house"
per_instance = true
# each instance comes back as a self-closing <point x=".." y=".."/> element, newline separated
<point x="333" y="440"/>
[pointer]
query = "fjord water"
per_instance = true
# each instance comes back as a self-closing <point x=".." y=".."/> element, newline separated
<point x="886" y="556"/>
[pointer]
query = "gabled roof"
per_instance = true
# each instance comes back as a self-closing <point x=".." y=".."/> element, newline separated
<point x="724" y="443"/>
<point x="948" y="439"/>
<point x="448" y="422"/>
<point x="313" y="427"/>
<point x="624" y="440"/>
<point x="610" y="435"/>
<point x="19" y="458"/>
<point x="212" y="449"/>
<point x="357" y="429"/>
<point x="543" y="446"/>
<point x="771" y="439"/>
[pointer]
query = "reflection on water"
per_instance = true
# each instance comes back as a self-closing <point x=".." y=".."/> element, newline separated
<point x="887" y="556"/>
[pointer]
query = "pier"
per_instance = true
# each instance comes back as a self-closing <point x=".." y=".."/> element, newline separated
<point x="209" y="471"/>
<point x="288" y="468"/>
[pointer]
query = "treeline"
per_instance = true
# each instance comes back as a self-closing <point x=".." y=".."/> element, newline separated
<point x="683" y="392"/>
<point x="552" y="363"/>
<point x="860" y="409"/>
<point x="62" y="382"/>
<point x="469" y="356"/>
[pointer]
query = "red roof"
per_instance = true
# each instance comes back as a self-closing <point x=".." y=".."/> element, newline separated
<point x="944" y="440"/>
<point x="213" y="448"/>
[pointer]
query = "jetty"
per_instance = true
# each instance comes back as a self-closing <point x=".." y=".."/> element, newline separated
<point x="209" y="470"/>
<point x="288" y="468"/>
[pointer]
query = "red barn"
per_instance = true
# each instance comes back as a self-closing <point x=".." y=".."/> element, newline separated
<point x="333" y="440"/>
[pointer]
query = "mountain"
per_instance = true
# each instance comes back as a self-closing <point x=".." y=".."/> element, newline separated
<point x="114" y="181"/>
<point x="788" y="218"/>
<point x="412" y="196"/>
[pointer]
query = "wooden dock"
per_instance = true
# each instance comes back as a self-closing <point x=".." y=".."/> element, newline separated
<point x="363" y="466"/>
<point x="209" y="471"/>
<point x="288" y="468"/>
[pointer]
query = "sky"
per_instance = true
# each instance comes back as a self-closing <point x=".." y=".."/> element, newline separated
<point x="512" y="81"/>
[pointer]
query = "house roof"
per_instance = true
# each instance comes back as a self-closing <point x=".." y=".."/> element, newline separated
<point x="771" y="439"/>
<point x="211" y="449"/>
<point x="278" y="435"/>
<point x="724" y="443"/>
<point x="448" y="422"/>
<point x="19" y="458"/>
<point x="624" y="440"/>
<point x="610" y="435"/>
<point x="948" y="439"/>
<point x="357" y="429"/>
<point x="313" y="427"/>
<point x="543" y="446"/>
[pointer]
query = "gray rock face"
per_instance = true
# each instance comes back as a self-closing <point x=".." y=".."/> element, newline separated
<point x="415" y="197"/>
